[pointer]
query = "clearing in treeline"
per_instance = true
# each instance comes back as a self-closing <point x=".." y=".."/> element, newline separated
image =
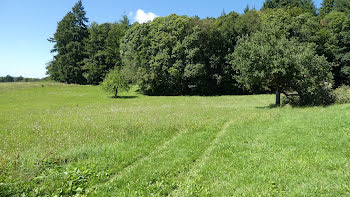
<point x="59" y="139"/>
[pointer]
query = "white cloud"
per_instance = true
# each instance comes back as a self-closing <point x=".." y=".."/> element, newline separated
<point x="143" y="17"/>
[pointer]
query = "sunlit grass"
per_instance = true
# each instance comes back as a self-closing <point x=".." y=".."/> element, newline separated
<point x="69" y="139"/>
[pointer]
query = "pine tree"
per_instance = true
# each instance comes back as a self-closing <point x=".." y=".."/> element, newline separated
<point x="69" y="47"/>
<point x="327" y="7"/>
<point x="246" y="9"/>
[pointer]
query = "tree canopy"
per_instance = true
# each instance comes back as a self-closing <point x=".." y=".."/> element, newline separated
<point x="115" y="81"/>
<point x="67" y="65"/>
<point x="177" y="55"/>
<point x="306" y="5"/>
<point x="276" y="63"/>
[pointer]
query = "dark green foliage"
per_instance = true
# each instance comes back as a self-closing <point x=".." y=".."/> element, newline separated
<point x="67" y="65"/>
<point x="327" y="7"/>
<point x="276" y="63"/>
<point x="103" y="49"/>
<point x="113" y="41"/>
<point x="307" y="5"/>
<point x="9" y="78"/>
<point x="247" y="23"/>
<point x="342" y="6"/>
<point x="246" y="9"/>
<point x="291" y="23"/>
<point x="161" y="73"/>
<point x="334" y="5"/>
<point x="133" y="49"/>
<point x="95" y="66"/>
<point x="337" y="44"/>
<point x="19" y="79"/>
<point x="84" y="55"/>
<point x="180" y="55"/>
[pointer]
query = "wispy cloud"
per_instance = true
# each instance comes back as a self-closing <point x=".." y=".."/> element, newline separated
<point x="144" y="17"/>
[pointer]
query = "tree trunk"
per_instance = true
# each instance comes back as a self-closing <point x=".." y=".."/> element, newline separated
<point x="278" y="97"/>
<point x="116" y="93"/>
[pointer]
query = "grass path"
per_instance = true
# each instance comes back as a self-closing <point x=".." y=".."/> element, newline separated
<point x="138" y="163"/>
<point x="157" y="170"/>
<point x="157" y="174"/>
<point x="158" y="153"/>
<point x="193" y="172"/>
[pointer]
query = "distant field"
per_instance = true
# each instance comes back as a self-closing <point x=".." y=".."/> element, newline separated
<point x="65" y="140"/>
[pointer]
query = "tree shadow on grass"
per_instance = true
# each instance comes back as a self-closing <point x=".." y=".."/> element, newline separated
<point x="124" y="97"/>
<point x="271" y="106"/>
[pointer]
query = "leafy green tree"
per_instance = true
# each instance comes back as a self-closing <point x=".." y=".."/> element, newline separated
<point x="342" y="6"/>
<point x="115" y="81"/>
<point x="69" y="47"/>
<point x="8" y="78"/>
<point x="155" y="51"/>
<point x="226" y="30"/>
<point x="327" y="7"/>
<point x="19" y="79"/>
<point x="95" y="66"/>
<point x="307" y="5"/>
<point x="103" y="49"/>
<point x="133" y="50"/>
<point x="247" y="23"/>
<point x="294" y="23"/>
<point x="334" y="5"/>
<point x="305" y="28"/>
<point x="283" y="21"/>
<point x="113" y="41"/>
<point x="197" y="72"/>
<point x="337" y="44"/>
<point x="181" y="55"/>
<point x="276" y="63"/>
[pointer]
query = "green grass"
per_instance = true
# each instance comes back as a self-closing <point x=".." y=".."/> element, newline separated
<point x="65" y="140"/>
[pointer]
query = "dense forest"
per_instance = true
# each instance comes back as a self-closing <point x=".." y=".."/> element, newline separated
<point x="288" y="46"/>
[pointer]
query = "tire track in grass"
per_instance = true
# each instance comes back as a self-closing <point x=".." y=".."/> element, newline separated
<point x="193" y="172"/>
<point x="184" y="150"/>
<point x="138" y="162"/>
<point x="185" y="186"/>
<point x="161" y="150"/>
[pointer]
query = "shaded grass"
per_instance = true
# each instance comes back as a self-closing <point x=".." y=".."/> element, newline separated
<point x="70" y="139"/>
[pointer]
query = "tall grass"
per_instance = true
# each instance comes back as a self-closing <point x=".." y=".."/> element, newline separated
<point x="66" y="140"/>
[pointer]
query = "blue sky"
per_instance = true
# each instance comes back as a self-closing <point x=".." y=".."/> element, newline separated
<point x="25" y="25"/>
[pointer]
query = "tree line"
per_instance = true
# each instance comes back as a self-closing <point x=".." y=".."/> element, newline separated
<point x="288" y="46"/>
<point x="9" y="78"/>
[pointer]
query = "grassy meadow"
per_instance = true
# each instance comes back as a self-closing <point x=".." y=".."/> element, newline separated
<point x="68" y="140"/>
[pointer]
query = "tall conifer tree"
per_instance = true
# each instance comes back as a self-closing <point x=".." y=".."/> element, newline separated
<point x="327" y="7"/>
<point x="69" y="47"/>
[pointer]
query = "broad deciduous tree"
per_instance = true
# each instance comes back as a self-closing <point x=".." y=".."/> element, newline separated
<point x="279" y="64"/>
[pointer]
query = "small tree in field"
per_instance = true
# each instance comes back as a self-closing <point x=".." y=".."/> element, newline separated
<point x="283" y="65"/>
<point x="115" y="81"/>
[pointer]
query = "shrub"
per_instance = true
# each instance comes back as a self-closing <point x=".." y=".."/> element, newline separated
<point x="115" y="81"/>
<point x="342" y="94"/>
<point x="321" y="96"/>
